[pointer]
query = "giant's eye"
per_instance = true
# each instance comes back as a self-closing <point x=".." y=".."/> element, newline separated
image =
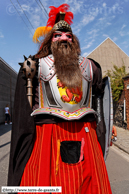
<point x="57" y="35"/>
<point x="69" y="36"/>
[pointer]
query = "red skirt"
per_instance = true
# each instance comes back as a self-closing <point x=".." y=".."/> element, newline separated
<point x="46" y="168"/>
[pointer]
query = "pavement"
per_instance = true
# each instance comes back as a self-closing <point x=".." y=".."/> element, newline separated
<point x="5" y="140"/>
<point x="4" y="129"/>
<point x="122" y="139"/>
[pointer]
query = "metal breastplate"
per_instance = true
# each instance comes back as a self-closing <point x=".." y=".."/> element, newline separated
<point x="58" y="100"/>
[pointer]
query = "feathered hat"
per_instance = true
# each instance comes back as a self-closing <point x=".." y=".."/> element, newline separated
<point x="59" y="19"/>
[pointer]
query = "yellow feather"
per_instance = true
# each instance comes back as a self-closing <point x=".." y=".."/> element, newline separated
<point x="40" y="31"/>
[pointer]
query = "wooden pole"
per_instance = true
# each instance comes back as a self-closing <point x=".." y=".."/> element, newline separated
<point x="29" y="90"/>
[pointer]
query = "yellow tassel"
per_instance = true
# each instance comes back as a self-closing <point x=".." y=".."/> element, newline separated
<point x="40" y="31"/>
<point x="58" y="156"/>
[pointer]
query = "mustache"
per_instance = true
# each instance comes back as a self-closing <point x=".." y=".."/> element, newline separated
<point x="62" y="43"/>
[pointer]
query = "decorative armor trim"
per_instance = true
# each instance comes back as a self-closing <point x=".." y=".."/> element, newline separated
<point x="62" y="25"/>
<point x="64" y="114"/>
<point x="56" y="99"/>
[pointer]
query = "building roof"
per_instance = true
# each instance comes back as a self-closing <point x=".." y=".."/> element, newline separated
<point x="108" y="54"/>
<point x="7" y="65"/>
<point x="108" y="38"/>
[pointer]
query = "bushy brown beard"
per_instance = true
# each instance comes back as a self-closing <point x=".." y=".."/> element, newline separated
<point x="66" y="63"/>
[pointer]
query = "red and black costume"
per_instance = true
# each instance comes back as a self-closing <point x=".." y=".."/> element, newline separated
<point x="52" y="146"/>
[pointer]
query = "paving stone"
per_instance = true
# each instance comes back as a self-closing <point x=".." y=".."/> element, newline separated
<point x="122" y="139"/>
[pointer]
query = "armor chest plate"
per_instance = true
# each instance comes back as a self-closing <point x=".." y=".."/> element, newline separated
<point x="56" y="99"/>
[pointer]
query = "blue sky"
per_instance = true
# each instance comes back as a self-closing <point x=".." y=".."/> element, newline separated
<point x="93" y="22"/>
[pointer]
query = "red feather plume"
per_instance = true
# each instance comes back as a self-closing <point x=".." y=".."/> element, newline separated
<point x="55" y="11"/>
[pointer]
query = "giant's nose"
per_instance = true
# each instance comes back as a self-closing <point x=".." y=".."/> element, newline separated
<point x="64" y="37"/>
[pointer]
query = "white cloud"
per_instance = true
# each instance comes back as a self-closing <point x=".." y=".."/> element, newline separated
<point x="93" y="32"/>
<point x="125" y="42"/>
<point x="26" y="7"/>
<point x="76" y="29"/>
<point x="87" y="46"/>
<point x="85" y="54"/>
<point x="115" y="6"/>
<point x="101" y="19"/>
<point x="104" y="4"/>
<point x="76" y="7"/>
<point x="33" y="12"/>
<point x="123" y="26"/>
<point x="115" y="38"/>
<point x="108" y="23"/>
<point x="36" y="21"/>
<point x="105" y="35"/>
<point x="1" y="35"/>
<point x="87" y="19"/>
<point x="104" y="22"/>
<point x="23" y="8"/>
<point x="122" y="33"/>
<point x="113" y="16"/>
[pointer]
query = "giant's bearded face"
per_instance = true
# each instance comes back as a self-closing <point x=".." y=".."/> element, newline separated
<point x="66" y="63"/>
<point x="65" y="48"/>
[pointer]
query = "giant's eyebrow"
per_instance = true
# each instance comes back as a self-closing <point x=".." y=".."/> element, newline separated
<point x="58" y="32"/>
<point x="68" y="33"/>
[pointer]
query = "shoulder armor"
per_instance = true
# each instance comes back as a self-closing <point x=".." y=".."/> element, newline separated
<point x="46" y="68"/>
<point x="86" y="68"/>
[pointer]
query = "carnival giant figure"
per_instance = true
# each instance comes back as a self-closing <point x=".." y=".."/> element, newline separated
<point x="58" y="135"/>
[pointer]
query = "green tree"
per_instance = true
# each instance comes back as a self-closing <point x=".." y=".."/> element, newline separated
<point x="117" y="83"/>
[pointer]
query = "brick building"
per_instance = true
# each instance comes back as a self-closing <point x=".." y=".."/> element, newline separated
<point x="8" y="78"/>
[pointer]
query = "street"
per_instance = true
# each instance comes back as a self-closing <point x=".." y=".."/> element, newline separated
<point x="117" y="164"/>
<point x="118" y="170"/>
<point x="5" y="137"/>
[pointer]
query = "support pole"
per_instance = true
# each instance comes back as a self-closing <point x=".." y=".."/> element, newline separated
<point x="29" y="90"/>
<point x="124" y="110"/>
